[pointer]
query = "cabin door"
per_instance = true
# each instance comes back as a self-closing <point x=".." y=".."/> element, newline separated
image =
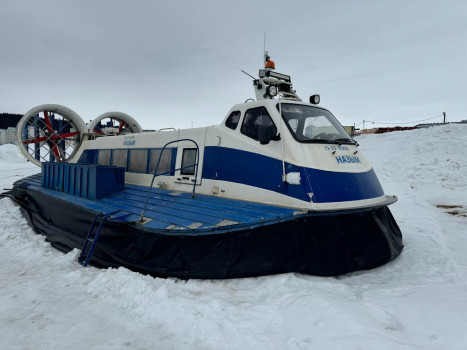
<point x="187" y="157"/>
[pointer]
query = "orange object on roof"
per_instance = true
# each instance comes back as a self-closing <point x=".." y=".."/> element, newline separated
<point x="270" y="64"/>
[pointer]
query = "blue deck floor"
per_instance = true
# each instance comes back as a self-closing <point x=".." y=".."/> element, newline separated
<point x="176" y="211"/>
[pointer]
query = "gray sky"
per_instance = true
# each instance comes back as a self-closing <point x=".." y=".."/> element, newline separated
<point x="174" y="63"/>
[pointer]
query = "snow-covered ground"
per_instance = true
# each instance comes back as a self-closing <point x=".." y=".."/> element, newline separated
<point x="418" y="301"/>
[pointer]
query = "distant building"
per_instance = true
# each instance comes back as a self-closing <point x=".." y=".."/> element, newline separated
<point x="2" y="136"/>
<point x="365" y="131"/>
<point x="8" y="127"/>
<point x="350" y="130"/>
<point x="8" y="136"/>
<point x="395" y="128"/>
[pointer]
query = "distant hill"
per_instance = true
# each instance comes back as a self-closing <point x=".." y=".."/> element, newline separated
<point x="9" y="120"/>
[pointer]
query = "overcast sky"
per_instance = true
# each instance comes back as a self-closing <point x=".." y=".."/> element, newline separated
<point x="177" y="63"/>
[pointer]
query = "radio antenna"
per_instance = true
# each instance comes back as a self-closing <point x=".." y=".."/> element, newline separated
<point x="248" y="74"/>
<point x="264" y="44"/>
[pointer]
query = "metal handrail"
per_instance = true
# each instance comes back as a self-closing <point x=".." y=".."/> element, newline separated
<point x="141" y="219"/>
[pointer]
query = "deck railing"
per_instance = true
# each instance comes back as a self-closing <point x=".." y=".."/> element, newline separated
<point x="172" y="170"/>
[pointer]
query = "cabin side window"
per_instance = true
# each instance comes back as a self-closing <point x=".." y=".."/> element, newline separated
<point x="103" y="157"/>
<point x="254" y="119"/>
<point x="119" y="157"/>
<point x="164" y="164"/>
<point x="188" y="158"/>
<point x="232" y="120"/>
<point x="138" y="160"/>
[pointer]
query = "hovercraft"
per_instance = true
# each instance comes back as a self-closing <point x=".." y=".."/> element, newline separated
<point x="279" y="186"/>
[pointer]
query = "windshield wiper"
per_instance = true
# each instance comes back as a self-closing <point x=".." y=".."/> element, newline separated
<point x="339" y="141"/>
<point x="345" y="140"/>
<point x="318" y="141"/>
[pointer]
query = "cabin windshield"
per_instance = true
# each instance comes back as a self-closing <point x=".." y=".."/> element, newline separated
<point x="312" y="124"/>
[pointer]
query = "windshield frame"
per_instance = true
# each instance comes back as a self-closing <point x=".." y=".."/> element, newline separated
<point x="344" y="139"/>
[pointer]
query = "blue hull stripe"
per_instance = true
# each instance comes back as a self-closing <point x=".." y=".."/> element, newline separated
<point x="253" y="169"/>
<point x="227" y="164"/>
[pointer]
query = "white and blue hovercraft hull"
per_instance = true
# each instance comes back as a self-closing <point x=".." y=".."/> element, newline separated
<point x="278" y="187"/>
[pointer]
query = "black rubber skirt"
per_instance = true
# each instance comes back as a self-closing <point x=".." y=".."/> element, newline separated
<point x="315" y="244"/>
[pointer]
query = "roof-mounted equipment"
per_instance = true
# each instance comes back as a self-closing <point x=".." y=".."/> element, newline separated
<point x="271" y="84"/>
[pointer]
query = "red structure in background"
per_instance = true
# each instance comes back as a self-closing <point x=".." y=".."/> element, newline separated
<point x="396" y="128"/>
